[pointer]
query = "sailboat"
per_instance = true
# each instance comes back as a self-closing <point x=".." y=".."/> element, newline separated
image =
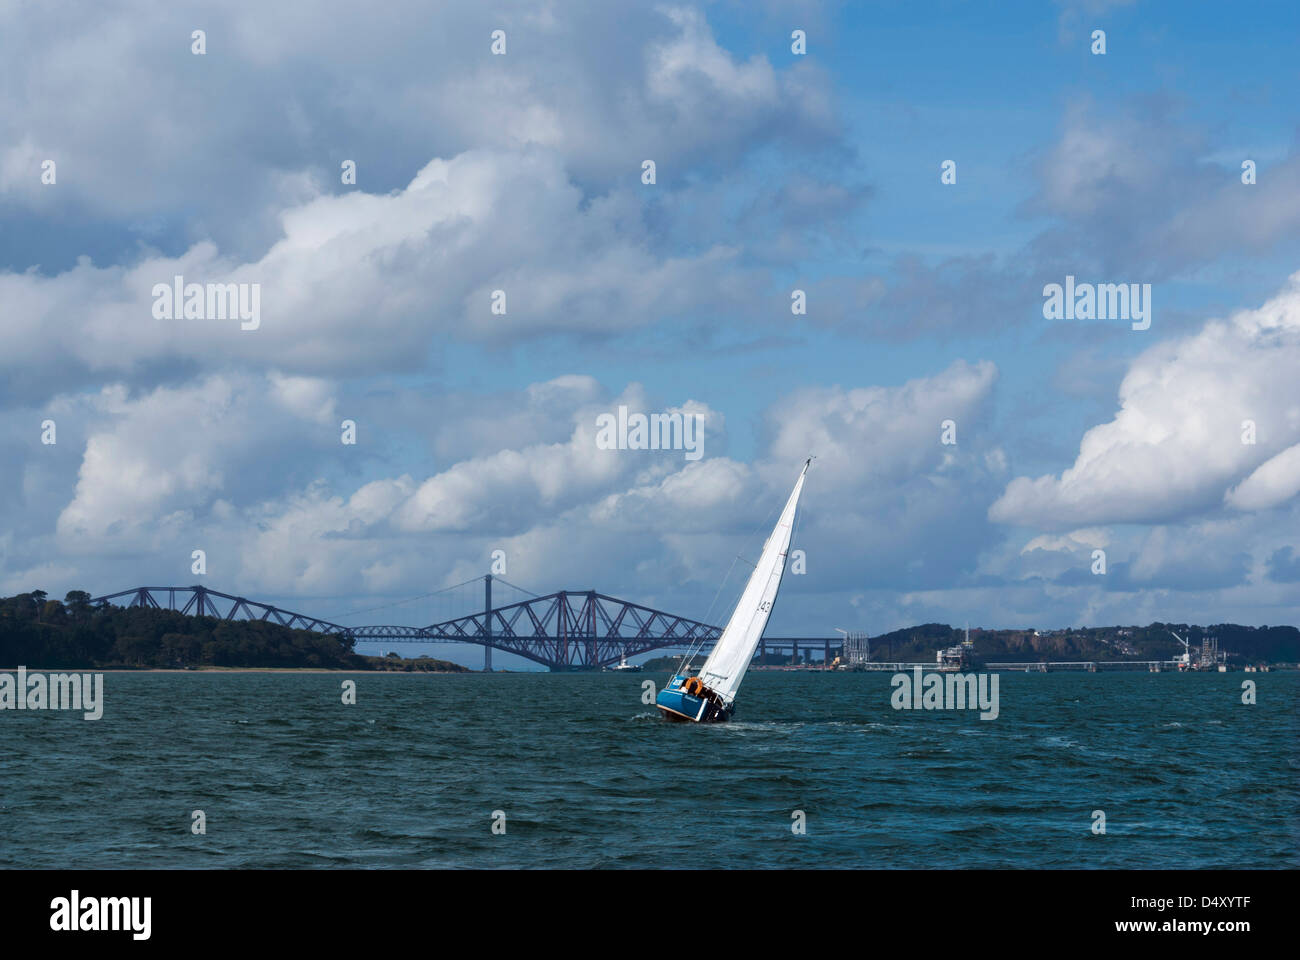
<point x="710" y="696"/>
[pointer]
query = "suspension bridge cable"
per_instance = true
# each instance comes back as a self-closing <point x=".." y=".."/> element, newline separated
<point x="515" y="586"/>
<point x="398" y="603"/>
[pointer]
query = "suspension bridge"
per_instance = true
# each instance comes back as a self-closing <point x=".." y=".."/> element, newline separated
<point x="566" y="630"/>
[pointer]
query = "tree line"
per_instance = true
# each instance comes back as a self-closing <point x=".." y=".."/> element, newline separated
<point x="73" y="633"/>
<point x="1242" y="644"/>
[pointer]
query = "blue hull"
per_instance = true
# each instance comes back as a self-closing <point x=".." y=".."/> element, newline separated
<point x="674" y="703"/>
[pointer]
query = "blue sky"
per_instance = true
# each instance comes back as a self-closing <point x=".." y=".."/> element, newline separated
<point x="775" y="171"/>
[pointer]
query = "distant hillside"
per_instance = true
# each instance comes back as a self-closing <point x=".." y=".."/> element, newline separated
<point x="395" y="663"/>
<point x="1153" y="642"/>
<point x="72" y="634"/>
<point x="667" y="663"/>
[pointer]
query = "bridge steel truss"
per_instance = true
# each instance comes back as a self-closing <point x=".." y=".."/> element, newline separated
<point x="202" y="602"/>
<point x="572" y="630"/>
<point x="568" y="630"/>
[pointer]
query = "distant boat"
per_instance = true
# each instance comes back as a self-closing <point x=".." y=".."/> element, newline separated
<point x="958" y="658"/>
<point x="710" y="697"/>
<point x="624" y="667"/>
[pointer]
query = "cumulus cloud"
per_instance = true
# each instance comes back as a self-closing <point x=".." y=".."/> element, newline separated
<point x="888" y="502"/>
<point x="362" y="283"/>
<point x="1273" y="482"/>
<point x="865" y="433"/>
<point x="174" y="469"/>
<point x="1135" y="197"/>
<point x="506" y="490"/>
<point x="159" y="461"/>
<point x="521" y="173"/>
<point x="113" y="91"/>
<point x="1175" y="448"/>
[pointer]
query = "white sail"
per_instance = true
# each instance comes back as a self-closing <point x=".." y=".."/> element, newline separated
<point x="730" y="658"/>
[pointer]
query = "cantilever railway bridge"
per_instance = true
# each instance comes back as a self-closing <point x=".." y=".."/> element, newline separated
<point x="568" y="630"/>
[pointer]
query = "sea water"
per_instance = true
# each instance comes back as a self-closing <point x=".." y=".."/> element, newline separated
<point x="575" y="770"/>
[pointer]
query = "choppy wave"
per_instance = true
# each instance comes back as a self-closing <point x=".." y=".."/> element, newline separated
<point x="580" y="773"/>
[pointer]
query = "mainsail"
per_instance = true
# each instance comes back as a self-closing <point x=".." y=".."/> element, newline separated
<point x="730" y="658"/>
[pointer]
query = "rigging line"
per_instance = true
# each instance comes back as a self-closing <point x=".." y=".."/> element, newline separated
<point x="694" y="648"/>
<point x="709" y="612"/>
<point x="398" y="603"/>
<point x="514" y="586"/>
<point x="765" y="523"/>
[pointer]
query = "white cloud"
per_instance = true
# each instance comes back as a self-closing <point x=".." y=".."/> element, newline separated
<point x="175" y="469"/>
<point x="1273" y="482"/>
<point x="507" y="490"/>
<point x="1132" y="190"/>
<point x="362" y="282"/>
<point x="157" y="462"/>
<point x="1175" y="446"/>
<point x="117" y="89"/>
<point x="863" y="434"/>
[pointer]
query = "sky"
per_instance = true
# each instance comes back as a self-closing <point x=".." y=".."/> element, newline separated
<point x="1094" y="473"/>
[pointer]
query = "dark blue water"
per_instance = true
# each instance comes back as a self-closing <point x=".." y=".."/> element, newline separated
<point x="588" y="776"/>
